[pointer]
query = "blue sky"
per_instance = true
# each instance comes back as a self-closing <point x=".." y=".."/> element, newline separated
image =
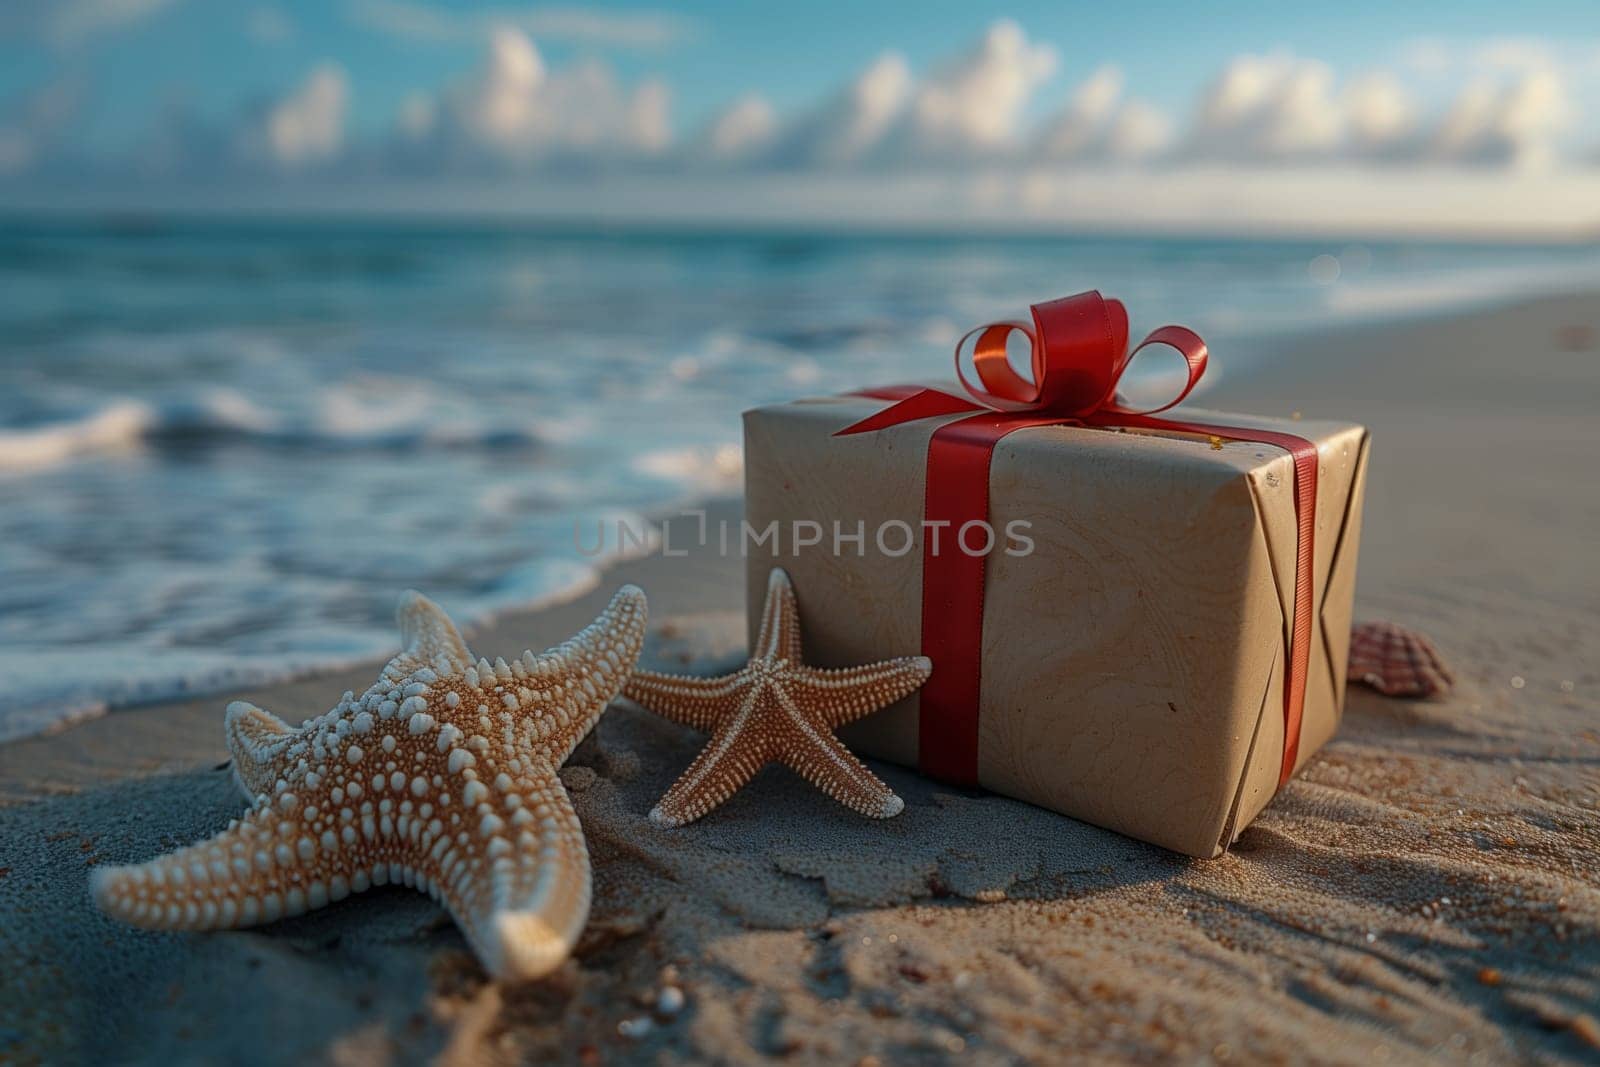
<point x="295" y="97"/>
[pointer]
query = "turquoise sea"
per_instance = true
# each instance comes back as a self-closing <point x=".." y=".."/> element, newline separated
<point x="226" y="447"/>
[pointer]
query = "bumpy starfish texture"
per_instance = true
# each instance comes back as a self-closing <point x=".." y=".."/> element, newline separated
<point x="776" y="709"/>
<point x="442" y="776"/>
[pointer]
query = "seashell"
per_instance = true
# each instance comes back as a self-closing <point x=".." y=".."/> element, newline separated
<point x="1397" y="662"/>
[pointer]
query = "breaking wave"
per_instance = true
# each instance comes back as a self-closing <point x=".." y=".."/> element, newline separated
<point x="222" y="417"/>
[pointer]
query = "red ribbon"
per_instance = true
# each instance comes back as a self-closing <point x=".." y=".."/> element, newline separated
<point x="1080" y="352"/>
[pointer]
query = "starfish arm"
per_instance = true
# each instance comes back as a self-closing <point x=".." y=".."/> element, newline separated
<point x="429" y="639"/>
<point x="253" y="872"/>
<point x="827" y="764"/>
<point x="257" y="741"/>
<point x="731" y="759"/>
<point x="841" y="696"/>
<point x="694" y="702"/>
<point x="593" y="667"/>
<point x="520" y="887"/>
<point x="780" y="621"/>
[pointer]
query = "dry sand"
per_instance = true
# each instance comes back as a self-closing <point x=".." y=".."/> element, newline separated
<point x="1428" y="890"/>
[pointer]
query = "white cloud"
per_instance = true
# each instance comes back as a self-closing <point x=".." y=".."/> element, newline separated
<point x="304" y="127"/>
<point x="969" y="108"/>
<point x="299" y="132"/>
<point x="1137" y="131"/>
<point x="1379" y="113"/>
<point x="498" y="107"/>
<point x="516" y="110"/>
<point x="421" y="21"/>
<point x="1513" y="123"/>
<point x="973" y="104"/>
<point x="1098" y="124"/>
<point x="1516" y="103"/>
<point x="1438" y="57"/>
<point x="964" y="131"/>
<point x="1281" y="109"/>
<point x="1081" y="123"/>
<point x="854" y="121"/>
<point x="649" y="123"/>
<point x="740" y="131"/>
<point x="1263" y="108"/>
<point x="65" y="23"/>
<point x="32" y="127"/>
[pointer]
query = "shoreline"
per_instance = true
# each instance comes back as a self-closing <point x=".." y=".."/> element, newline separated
<point x="1250" y="375"/>
<point x="151" y="737"/>
<point x="266" y="678"/>
<point x="1426" y="890"/>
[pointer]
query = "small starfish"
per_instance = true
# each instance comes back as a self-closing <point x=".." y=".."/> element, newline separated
<point x="776" y="708"/>
<point x="441" y="776"/>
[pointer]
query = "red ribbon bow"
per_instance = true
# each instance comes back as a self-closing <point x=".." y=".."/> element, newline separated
<point x="1079" y="354"/>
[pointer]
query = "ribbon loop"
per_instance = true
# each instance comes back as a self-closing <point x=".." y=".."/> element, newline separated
<point x="1187" y="344"/>
<point x="1002" y="388"/>
<point x="1079" y="351"/>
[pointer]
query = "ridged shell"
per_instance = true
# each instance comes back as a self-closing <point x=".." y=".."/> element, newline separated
<point x="1397" y="662"/>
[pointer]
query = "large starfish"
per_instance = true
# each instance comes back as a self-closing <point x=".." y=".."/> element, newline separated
<point x="776" y="708"/>
<point x="441" y="776"/>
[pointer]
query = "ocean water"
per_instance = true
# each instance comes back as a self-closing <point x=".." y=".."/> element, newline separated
<point x="225" y="449"/>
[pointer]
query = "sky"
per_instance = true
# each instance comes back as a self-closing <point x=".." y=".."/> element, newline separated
<point x="1466" y="117"/>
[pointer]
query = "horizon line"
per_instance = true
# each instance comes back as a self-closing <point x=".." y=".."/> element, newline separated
<point x="132" y="220"/>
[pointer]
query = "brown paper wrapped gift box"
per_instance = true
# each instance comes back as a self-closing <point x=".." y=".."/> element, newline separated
<point x="1133" y="663"/>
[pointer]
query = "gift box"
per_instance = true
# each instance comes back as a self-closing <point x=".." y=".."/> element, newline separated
<point x="1148" y="630"/>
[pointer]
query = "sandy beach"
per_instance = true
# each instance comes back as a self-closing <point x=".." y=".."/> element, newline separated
<point x="1425" y="891"/>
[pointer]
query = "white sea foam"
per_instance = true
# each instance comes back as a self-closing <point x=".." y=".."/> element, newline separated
<point x="706" y="470"/>
<point x="118" y="426"/>
<point x="224" y="417"/>
<point x="50" y="688"/>
<point x="1432" y="294"/>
